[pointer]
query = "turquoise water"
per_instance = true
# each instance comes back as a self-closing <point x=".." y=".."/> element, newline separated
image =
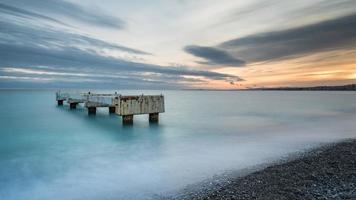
<point x="50" y="152"/>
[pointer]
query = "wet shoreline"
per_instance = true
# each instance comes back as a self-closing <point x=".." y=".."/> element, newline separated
<point x="326" y="172"/>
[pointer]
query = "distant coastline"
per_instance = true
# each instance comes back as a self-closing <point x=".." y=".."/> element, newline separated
<point x="350" y="87"/>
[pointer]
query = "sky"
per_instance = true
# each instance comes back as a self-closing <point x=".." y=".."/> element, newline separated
<point x="176" y="44"/>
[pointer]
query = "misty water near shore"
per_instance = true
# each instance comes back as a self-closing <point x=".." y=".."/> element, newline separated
<point x="51" y="152"/>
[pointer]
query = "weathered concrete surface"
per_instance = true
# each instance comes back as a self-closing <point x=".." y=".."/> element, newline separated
<point x="74" y="100"/>
<point x="135" y="105"/>
<point x="100" y="100"/>
<point x="70" y="97"/>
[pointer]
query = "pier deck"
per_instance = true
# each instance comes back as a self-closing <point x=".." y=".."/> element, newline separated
<point x="125" y="106"/>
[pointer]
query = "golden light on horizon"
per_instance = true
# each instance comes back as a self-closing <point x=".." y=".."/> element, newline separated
<point x="337" y="67"/>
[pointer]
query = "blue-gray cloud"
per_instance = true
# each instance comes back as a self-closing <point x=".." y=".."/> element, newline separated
<point x="70" y="55"/>
<point x="314" y="9"/>
<point x="62" y="8"/>
<point x="24" y="56"/>
<point x="19" y="12"/>
<point x="30" y="36"/>
<point x="335" y="34"/>
<point x="324" y="36"/>
<point x="214" y="56"/>
<point x="51" y="77"/>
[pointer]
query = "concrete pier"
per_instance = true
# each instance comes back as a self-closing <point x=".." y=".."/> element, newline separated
<point x="125" y="106"/>
<point x="94" y="100"/>
<point x="138" y="105"/>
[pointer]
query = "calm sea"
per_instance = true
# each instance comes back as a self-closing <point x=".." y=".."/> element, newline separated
<point x="50" y="152"/>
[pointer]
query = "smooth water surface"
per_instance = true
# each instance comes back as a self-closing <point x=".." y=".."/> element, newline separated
<point x="51" y="152"/>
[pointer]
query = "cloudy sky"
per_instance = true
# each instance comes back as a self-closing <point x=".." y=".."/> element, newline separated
<point x="173" y="44"/>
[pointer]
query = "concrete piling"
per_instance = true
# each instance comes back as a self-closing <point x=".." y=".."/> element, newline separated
<point x="153" y="117"/>
<point x="91" y="110"/>
<point x="60" y="102"/>
<point x="73" y="105"/>
<point x="111" y="110"/>
<point x="127" y="119"/>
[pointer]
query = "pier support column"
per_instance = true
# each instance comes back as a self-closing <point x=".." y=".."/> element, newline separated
<point x="73" y="105"/>
<point x="91" y="110"/>
<point x="153" y="117"/>
<point x="127" y="119"/>
<point x="111" y="110"/>
<point x="60" y="102"/>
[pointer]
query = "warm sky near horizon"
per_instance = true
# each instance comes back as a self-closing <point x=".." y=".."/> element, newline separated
<point x="172" y="44"/>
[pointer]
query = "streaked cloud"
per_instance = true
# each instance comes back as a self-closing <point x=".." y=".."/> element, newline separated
<point x="291" y="43"/>
<point x="15" y="55"/>
<point x="53" y="77"/>
<point x="12" y="33"/>
<point x="8" y="9"/>
<point x="214" y="56"/>
<point x="188" y="44"/>
<point x="63" y="9"/>
<point x="31" y="52"/>
<point x="324" y="36"/>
